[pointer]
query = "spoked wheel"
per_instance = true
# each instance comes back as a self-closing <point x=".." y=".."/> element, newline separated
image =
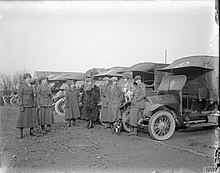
<point x="60" y="107"/>
<point x="162" y="125"/>
<point x="105" y="124"/>
<point x="14" y="100"/>
<point x="125" y="120"/>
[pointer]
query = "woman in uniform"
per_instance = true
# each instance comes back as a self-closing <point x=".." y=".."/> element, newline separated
<point x="44" y="102"/>
<point x="115" y="100"/>
<point x="72" y="103"/>
<point x="90" y="100"/>
<point x="105" y="101"/>
<point x="27" y="116"/>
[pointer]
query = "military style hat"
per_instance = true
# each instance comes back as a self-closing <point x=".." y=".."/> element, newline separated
<point x="88" y="79"/>
<point x="106" y="78"/>
<point x="126" y="77"/>
<point x="138" y="77"/>
<point x="43" y="78"/>
<point x="26" y="75"/>
<point x="69" y="81"/>
<point x="114" y="79"/>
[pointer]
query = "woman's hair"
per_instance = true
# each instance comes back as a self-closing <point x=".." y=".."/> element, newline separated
<point x="26" y="75"/>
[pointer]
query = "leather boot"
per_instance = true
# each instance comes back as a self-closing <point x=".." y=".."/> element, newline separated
<point x="74" y="122"/>
<point x="21" y="133"/>
<point x="48" y="128"/>
<point x="32" y="132"/>
<point x="43" y="129"/>
<point x="69" y="123"/>
<point x="90" y="124"/>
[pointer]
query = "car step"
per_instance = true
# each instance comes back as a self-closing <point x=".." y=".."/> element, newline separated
<point x="198" y="126"/>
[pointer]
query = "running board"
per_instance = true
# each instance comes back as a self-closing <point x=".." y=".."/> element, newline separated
<point x="192" y="127"/>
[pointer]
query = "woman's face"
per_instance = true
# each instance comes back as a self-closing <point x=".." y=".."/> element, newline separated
<point x="114" y="82"/>
<point x="89" y="82"/>
<point x="106" y="82"/>
<point x="72" y="84"/>
<point x="125" y="80"/>
<point x="44" y="81"/>
<point x="28" y="80"/>
<point x="138" y="81"/>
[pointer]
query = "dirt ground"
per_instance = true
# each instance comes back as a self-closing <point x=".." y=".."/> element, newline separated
<point x="78" y="149"/>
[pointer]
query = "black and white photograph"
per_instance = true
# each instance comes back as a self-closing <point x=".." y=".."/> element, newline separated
<point x="112" y="86"/>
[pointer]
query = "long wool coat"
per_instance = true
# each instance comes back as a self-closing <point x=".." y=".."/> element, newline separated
<point x="137" y="103"/>
<point x="90" y="100"/>
<point x="72" y="103"/>
<point x="27" y="115"/>
<point x="45" y="113"/>
<point x="115" y="100"/>
<point x="105" y="102"/>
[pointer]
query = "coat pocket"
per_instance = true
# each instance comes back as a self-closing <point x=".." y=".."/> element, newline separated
<point x="105" y="103"/>
<point x="26" y="101"/>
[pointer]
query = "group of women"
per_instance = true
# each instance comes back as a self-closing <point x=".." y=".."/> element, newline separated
<point x="35" y="106"/>
<point x="113" y="96"/>
<point x="36" y="103"/>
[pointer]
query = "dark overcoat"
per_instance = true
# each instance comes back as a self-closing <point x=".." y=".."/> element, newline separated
<point x="72" y="103"/>
<point x="27" y="115"/>
<point x="90" y="100"/>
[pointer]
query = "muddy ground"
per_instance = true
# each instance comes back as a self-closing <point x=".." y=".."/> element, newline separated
<point x="78" y="149"/>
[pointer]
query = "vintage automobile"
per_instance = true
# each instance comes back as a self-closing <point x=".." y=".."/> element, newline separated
<point x="150" y="77"/>
<point x="14" y="99"/>
<point x="59" y="86"/>
<point x="187" y="96"/>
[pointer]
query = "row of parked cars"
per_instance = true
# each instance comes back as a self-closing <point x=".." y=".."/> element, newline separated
<point x="182" y="94"/>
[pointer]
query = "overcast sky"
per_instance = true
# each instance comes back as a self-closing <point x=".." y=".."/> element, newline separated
<point x="80" y="35"/>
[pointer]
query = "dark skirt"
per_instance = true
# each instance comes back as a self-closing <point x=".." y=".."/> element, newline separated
<point x="91" y="114"/>
<point x="45" y="116"/>
<point x="27" y="118"/>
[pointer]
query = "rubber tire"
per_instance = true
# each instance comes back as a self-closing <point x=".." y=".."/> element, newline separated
<point x="14" y="101"/>
<point x="154" y="117"/>
<point x="125" y="116"/>
<point x="57" y="107"/>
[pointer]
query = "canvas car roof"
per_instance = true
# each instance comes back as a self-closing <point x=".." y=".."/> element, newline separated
<point x="147" y="67"/>
<point x="111" y="72"/>
<point x="58" y="75"/>
<point x="66" y="76"/>
<point x="191" y="62"/>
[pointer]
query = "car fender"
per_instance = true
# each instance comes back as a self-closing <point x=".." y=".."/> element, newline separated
<point x="151" y="107"/>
